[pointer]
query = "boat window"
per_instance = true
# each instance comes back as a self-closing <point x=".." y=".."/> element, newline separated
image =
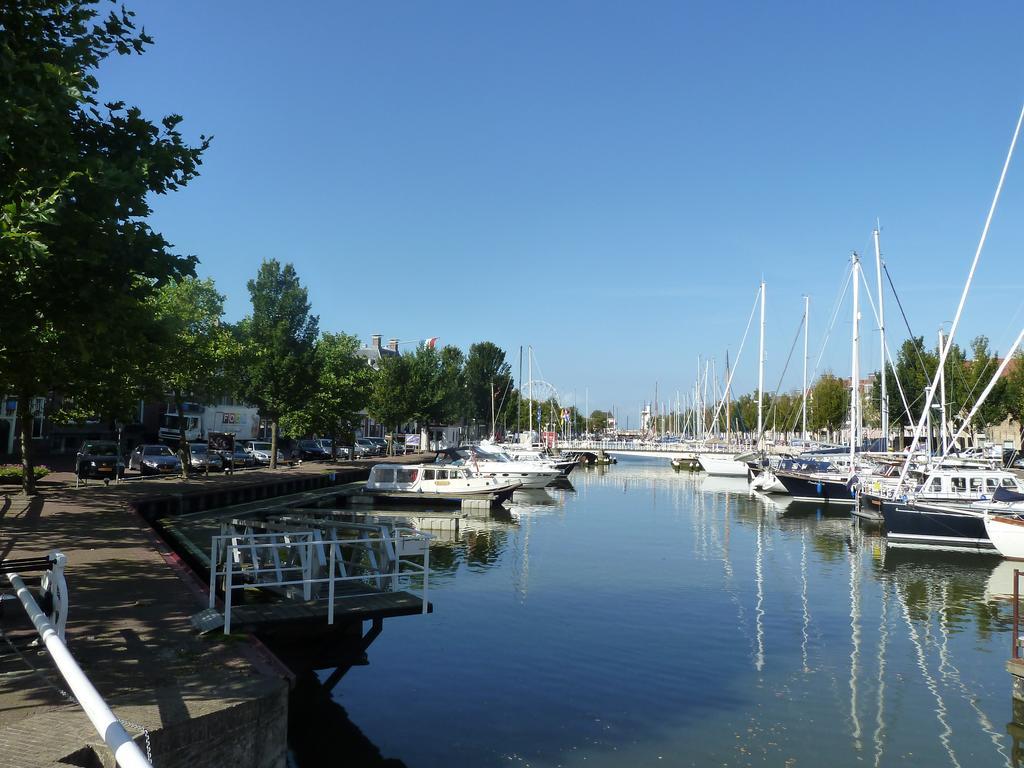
<point x="428" y="474"/>
<point x="1008" y="482"/>
<point x="442" y="474"/>
<point x="935" y="485"/>
<point x="991" y="483"/>
<point x="959" y="484"/>
<point x="975" y="484"/>
<point x="406" y="475"/>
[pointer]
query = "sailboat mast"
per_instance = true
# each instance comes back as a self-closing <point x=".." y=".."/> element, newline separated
<point x="529" y="366"/>
<point x="760" y="375"/>
<point x="728" y="414"/>
<point x="807" y="303"/>
<point x="854" y="364"/>
<point x="884" y="406"/>
<point x="942" y="396"/>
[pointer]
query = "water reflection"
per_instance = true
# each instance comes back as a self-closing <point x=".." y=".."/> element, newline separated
<point x="661" y="618"/>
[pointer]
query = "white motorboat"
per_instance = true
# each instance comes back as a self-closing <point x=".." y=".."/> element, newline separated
<point x="722" y="464"/>
<point x="436" y="483"/>
<point x="501" y="468"/>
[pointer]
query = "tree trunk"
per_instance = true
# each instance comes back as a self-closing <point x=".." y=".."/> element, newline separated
<point x="334" y="444"/>
<point x="183" y="451"/>
<point x="28" y="478"/>
<point x="273" y="444"/>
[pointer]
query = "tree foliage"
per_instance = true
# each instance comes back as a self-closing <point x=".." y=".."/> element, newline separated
<point x="196" y="361"/>
<point x="830" y="402"/>
<point x="77" y="257"/>
<point x="279" y="371"/>
<point x="485" y="368"/>
<point x="342" y="391"/>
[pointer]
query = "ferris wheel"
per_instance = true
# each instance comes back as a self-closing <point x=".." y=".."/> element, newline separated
<point x="542" y="391"/>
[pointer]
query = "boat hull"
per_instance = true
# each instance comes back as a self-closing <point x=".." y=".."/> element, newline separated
<point x="812" y="488"/>
<point x="1007" y="535"/>
<point x="921" y="525"/>
<point x="722" y="465"/>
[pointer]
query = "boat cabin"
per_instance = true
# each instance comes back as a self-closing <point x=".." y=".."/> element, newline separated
<point x="967" y="483"/>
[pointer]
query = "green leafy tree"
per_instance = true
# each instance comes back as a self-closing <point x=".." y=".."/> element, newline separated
<point x="342" y="391"/>
<point x="1013" y="395"/>
<point x="77" y="257"/>
<point x="984" y="363"/>
<point x="485" y="368"/>
<point x="830" y="401"/>
<point x="391" y="401"/>
<point x="279" y="372"/>
<point x="598" y="421"/>
<point x="196" y="361"/>
<point x="453" y="384"/>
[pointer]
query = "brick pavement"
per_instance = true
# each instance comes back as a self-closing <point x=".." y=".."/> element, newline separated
<point x="129" y="629"/>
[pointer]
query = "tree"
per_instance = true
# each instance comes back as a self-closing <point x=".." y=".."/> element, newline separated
<point x="390" y="401"/>
<point x="598" y="421"/>
<point x="1013" y="396"/>
<point x="829" y="403"/>
<point x="984" y="363"/>
<point x="485" y="368"/>
<point x="195" y="362"/>
<point x="453" y="382"/>
<point x="279" y="370"/>
<point x="342" y="391"/>
<point x="77" y="257"/>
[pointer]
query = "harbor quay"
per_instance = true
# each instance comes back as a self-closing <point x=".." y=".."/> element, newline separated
<point x="188" y="699"/>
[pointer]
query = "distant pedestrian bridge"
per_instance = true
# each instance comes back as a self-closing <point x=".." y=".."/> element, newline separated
<point x="632" y="448"/>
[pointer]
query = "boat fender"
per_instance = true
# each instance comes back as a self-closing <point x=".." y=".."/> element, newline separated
<point x="818" y="488"/>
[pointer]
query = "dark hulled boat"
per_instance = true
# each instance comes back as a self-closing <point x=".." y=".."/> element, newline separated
<point x="934" y="525"/>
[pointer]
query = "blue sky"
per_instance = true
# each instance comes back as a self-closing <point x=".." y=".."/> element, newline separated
<point x="607" y="182"/>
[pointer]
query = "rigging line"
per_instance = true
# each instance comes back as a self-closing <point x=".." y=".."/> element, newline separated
<point x="835" y="314"/>
<point x="888" y="354"/>
<point x="924" y="368"/>
<point x="919" y="428"/>
<point x="775" y="394"/>
<point x="736" y="364"/>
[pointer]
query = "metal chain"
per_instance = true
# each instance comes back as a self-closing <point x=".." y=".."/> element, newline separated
<point x="69" y="696"/>
<point x="145" y="733"/>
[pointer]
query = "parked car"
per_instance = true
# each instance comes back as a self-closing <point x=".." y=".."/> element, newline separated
<point x="154" y="460"/>
<point x="381" y="443"/>
<point x="260" y="451"/>
<point x="201" y="458"/>
<point x="240" y="458"/>
<point x="327" y="444"/>
<point x="311" y="450"/>
<point x="99" y="459"/>
<point x="366" y="447"/>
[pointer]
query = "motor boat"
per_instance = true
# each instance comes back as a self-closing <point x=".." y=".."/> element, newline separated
<point x="436" y="483"/>
<point x="499" y="467"/>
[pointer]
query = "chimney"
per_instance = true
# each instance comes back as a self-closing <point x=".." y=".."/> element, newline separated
<point x="393" y="345"/>
<point x="375" y="341"/>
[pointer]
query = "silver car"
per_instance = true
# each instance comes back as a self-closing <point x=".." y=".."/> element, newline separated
<point x="154" y="460"/>
<point x="201" y="458"/>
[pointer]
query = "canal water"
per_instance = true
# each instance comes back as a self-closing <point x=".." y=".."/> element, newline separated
<point x="654" y="618"/>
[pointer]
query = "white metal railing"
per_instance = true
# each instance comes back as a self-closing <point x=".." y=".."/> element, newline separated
<point x="292" y="559"/>
<point x="126" y="752"/>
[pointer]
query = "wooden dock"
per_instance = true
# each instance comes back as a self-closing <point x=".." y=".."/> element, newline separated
<point x="352" y="602"/>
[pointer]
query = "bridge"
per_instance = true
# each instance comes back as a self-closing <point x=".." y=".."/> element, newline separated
<point x="685" y="451"/>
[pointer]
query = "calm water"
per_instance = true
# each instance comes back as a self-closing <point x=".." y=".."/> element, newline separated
<point x="650" y="618"/>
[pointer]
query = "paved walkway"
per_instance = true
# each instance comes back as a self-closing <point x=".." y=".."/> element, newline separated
<point x="128" y="622"/>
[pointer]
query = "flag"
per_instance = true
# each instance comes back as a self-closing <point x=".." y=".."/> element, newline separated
<point x="431" y="342"/>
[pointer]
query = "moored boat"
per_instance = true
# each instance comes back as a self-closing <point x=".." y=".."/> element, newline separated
<point x="432" y="483"/>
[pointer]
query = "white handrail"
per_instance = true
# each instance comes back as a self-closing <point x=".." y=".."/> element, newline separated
<point x="226" y="545"/>
<point x="126" y="751"/>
